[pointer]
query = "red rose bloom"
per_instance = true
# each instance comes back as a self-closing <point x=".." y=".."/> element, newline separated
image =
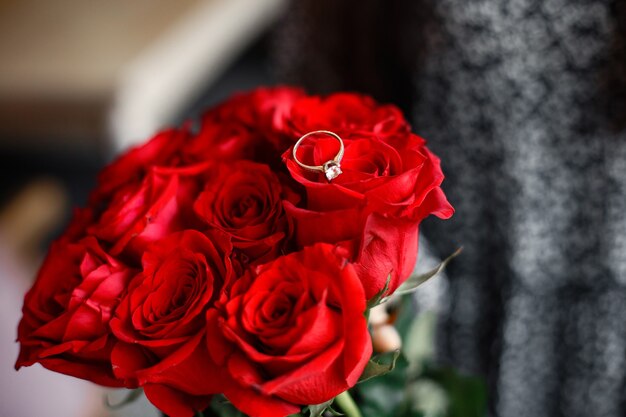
<point x="161" y="320"/>
<point x="343" y="113"/>
<point x="224" y="141"/>
<point x="65" y="323"/>
<point x="257" y="109"/>
<point x="374" y="207"/>
<point x="244" y="127"/>
<point x="245" y="200"/>
<point x="82" y="218"/>
<point x="290" y="333"/>
<point x="143" y="212"/>
<point x="163" y="149"/>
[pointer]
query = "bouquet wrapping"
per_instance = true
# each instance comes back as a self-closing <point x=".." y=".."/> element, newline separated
<point x="210" y="261"/>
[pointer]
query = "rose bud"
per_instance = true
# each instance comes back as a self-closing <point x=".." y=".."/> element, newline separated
<point x="378" y="315"/>
<point x="385" y="338"/>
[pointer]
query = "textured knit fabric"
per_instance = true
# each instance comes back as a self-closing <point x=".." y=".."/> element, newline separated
<point x="525" y="102"/>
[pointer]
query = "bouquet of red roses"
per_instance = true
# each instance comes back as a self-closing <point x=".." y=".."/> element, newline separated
<point x="238" y="258"/>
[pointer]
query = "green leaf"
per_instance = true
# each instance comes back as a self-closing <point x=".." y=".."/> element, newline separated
<point x="317" y="410"/>
<point x="467" y="395"/>
<point x="414" y="281"/>
<point x="418" y="344"/>
<point x="129" y="398"/>
<point x="382" y="396"/>
<point x="380" y="365"/>
<point x="378" y="298"/>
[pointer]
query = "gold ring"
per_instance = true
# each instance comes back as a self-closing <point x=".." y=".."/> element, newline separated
<point x="332" y="168"/>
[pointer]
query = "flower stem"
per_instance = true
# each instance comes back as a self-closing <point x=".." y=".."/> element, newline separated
<point x="347" y="404"/>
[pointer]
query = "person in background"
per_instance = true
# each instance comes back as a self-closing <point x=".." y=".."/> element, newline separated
<point x="525" y="102"/>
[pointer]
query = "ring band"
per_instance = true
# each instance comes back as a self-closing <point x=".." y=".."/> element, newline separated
<point x="332" y="168"/>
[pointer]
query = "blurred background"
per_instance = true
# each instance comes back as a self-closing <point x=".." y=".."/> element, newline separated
<point x="525" y="102"/>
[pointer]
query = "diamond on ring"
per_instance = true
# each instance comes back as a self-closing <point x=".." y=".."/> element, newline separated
<point x="332" y="170"/>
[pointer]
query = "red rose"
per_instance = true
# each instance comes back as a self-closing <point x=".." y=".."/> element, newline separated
<point x="343" y="113"/>
<point x="65" y="323"/>
<point x="257" y="109"/>
<point x="143" y="212"/>
<point x="161" y="320"/>
<point x="274" y="106"/>
<point x="162" y="150"/>
<point x="290" y="333"/>
<point x="374" y="207"/>
<point x="243" y="127"/>
<point x="82" y="218"/>
<point x="245" y="200"/>
<point x="224" y="141"/>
